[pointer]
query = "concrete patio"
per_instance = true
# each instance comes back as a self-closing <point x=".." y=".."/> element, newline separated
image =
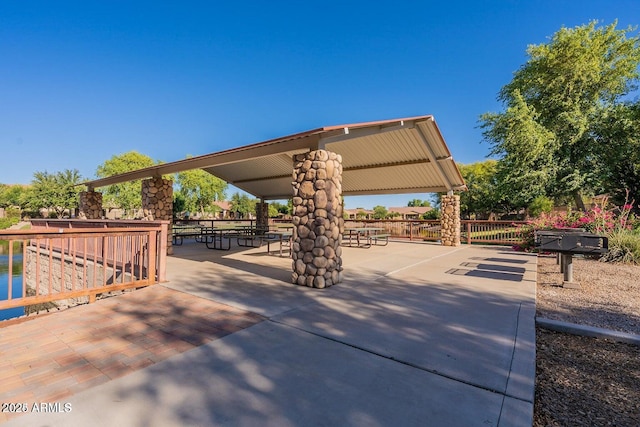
<point x="417" y="334"/>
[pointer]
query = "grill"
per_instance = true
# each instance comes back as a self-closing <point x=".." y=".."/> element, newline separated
<point x="569" y="242"/>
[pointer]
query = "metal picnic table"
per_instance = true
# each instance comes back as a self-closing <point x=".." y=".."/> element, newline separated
<point x="280" y="236"/>
<point x="362" y="235"/>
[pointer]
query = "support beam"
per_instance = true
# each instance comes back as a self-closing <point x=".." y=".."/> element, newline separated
<point x="157" y="203"/>
<point x="450" y="220"/>
<point x="90" y="205"/>
<point x="317" y="219"/>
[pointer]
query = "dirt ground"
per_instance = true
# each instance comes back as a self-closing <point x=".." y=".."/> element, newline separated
<point x="583" y="381"/>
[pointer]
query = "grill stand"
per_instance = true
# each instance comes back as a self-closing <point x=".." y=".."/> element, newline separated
<point x="566" y="267"/>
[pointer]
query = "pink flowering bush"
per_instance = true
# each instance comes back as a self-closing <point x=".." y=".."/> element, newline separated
<point x="614" y="222"/>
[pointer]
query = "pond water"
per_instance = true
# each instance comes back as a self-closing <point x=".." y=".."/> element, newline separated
<point x="16" y="283"/>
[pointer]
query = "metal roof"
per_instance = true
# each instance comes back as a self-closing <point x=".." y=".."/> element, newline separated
<point x="391" y="156"/>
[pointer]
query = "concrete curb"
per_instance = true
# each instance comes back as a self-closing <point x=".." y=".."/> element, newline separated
<point x="587" y="331"/>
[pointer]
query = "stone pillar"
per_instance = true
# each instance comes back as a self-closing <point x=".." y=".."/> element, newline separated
<point x="262" y="216"/>
<point x="450" y="220"/>
<point x="157" y="203"/>
<point x="90" y="205"/>
<point x="317" y="219"/>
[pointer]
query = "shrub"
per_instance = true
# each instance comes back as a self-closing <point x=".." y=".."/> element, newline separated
<point x="432" y="214"/>
<point x="539" y="205"/>
<point x="617" y="223"/>
<point x="624" y="246"/>
<point x="8" y="222"/>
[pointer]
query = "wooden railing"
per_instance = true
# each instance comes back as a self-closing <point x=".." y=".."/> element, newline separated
<point x="471" y="231"/>
<point x="72" y="258"/>
<point x="492" y="232"/>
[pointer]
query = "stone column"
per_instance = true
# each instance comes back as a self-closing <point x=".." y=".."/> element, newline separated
<point x="450" y="220"/>
<point x="157" y="203"/>
<point x="317" y="219"/>
<point x="90" y="205"/>
<point x="262" y="216"/>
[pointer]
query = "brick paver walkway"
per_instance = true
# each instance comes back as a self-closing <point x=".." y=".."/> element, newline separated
<point x="54" y="356"/>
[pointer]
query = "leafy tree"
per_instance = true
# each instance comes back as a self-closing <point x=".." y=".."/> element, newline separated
<point x="360" y="213"/>
<point x="242" y="205"/>
<point x="482" y="196"/>
<point x="200" y="189"/>
<point x="432" y="214"/>
<point x="380" y="212"/>
<point x="416" y="203"/>
<point x="621" y="164"/>
<point x="12" y="195"/>
<point x="179" y="204"/>
<point x="539" y="205"/>
<point x="547" y="136"/>
<point x="125" y="195"/>
<point x="273" y="211"/>
<point x="281" y="208"/>
<point x="55" y="192"/>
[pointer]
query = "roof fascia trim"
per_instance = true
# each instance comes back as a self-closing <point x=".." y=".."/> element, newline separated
<point x="432" y="156"/>
<point x="308" y="142"/>
<point x="361" y="132"/>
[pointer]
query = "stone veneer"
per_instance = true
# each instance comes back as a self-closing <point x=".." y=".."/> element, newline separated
<point x="450" y="220"/>
<point x="262" y="216"/>
<point x="317" y="219"/>
<point x="90" y="205"/>
<point x="157" y="203"/>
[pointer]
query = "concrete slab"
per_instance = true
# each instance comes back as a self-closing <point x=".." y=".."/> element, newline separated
<point x="249" y="279"/>
<point x="273" y="375"/>
<point x="459" y="327"/>
<point x="465" y="313"/>
<point x="516" y="413"/>
<point x="417" y="334"/>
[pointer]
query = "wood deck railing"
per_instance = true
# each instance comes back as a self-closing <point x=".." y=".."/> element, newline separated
<point x="472" y="231"/>
<point x="71" y="259"/>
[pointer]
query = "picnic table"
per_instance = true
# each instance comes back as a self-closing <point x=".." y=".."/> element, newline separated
<point x="217" y="236"/>
<point x="364" y="237"/>
<point x="283" y="237"/>
<point x="180" y="232"/>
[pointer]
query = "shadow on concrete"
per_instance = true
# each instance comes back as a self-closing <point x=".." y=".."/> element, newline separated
<point x="389" y="353"/>
<point x="487" y="274"/>
<point x="403" y="344"/>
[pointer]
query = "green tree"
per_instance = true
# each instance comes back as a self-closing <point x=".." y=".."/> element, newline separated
<point x="360" y="213"/>
<point x="242" y="205"/>
<point x="482" y="196"/>
<point x="432" y="214"/>
<point x="54" y="192"/>
<point x="416" y="203"/>
<point x="280" y="208"/>
<point x="546" y="137"/>
<point x="179" y="204"/>
<point x="380" y="212"/>
<point x="125" y="195"/>
<point x="200" y="189"/>
<point x="12" y="195"/>
<point x="540" y="204"/>
<point x="273" y="211"/>
<point x="621" y="161"/>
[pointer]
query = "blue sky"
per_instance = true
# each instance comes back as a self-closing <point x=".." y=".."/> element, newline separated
<point x="81" y="81"/>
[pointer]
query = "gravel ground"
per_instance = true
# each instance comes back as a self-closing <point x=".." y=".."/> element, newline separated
<point x="583" y="381"/>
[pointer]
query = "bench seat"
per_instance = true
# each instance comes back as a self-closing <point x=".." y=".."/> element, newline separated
<point x="375" y="238"/>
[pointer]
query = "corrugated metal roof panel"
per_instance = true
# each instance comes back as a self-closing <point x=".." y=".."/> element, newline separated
<point x="401" y="156"/>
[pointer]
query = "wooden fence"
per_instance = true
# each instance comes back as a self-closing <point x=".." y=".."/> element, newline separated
<point x="471" y="231"/>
